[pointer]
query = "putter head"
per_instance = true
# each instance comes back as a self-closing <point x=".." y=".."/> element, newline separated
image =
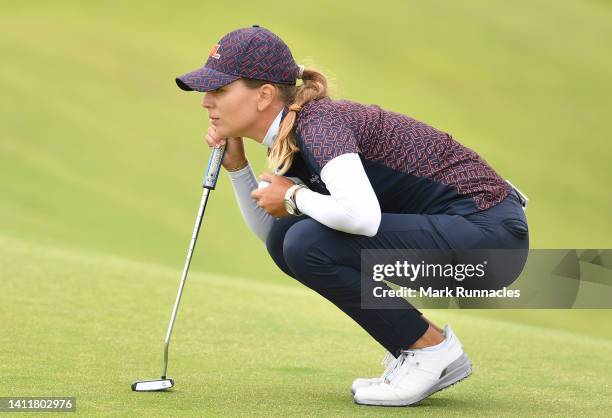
<point x="152" y="385"/>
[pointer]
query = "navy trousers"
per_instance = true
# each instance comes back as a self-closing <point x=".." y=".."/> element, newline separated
<point x="329" y="261"/>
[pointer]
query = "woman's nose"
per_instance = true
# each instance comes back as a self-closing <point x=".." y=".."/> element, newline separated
<point x="206" y="101"/>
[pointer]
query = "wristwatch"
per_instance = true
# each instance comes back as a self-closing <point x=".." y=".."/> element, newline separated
<point x="290" y="205"/>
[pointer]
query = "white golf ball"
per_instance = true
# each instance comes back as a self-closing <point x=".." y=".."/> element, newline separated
<point x="262" y="184"/>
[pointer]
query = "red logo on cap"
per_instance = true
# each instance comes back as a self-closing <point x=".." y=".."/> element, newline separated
<point x="214" y="53"/>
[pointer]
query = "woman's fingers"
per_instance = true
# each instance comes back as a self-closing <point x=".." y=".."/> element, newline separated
<point x="212" y="139"/>
<point x="234" y="154"/>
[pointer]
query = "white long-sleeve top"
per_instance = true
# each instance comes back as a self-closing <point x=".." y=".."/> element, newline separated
<point x="351" y="207"/>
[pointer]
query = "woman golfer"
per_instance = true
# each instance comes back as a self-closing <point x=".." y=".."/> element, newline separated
<point x="348" y="177"/>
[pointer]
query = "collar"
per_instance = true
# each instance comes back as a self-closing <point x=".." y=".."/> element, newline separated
<point x="272" y="133"/>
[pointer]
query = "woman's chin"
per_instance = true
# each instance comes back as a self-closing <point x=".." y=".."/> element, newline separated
<point x="224" y="132"/>
<point x="221" y="133"/>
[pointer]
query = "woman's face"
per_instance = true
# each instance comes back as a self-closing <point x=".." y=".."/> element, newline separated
<point x="232" y="109"/>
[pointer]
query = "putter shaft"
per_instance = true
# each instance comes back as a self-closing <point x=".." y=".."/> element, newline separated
<point x="210" y="181"/>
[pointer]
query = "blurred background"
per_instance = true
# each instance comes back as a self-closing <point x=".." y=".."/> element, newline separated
<point x="102" y="152"/>
<point x="101" y="155"/>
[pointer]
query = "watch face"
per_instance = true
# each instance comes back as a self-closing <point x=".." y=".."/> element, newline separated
<point x="289" y="208"/>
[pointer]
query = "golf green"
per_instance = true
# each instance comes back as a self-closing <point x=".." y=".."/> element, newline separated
<point x="88" y="325"/>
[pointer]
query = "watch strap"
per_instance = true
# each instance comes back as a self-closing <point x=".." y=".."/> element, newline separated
<point x="290" y="199"/>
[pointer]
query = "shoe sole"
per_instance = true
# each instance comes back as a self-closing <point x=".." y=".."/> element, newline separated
<point x="457" y="371"/>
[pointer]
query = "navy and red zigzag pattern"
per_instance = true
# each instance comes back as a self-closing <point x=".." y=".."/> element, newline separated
<point x="257" y="53"/>
<point x="329" y="128"/>
<point x="247" y="52"/>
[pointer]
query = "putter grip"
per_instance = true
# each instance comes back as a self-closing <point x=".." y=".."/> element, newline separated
<point x="214" y="164"/>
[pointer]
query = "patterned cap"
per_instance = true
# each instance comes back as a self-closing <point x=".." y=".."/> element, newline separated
<point x="253" y="52"/>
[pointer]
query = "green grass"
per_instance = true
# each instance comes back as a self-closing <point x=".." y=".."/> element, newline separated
<point x="101" y="159"/>
<point x="87" y="326"/>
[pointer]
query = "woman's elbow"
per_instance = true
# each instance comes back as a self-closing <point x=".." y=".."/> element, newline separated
<point x="369" y="223"/>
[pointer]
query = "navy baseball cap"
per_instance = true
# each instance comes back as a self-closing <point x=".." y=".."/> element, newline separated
<point x="252" y="52"/>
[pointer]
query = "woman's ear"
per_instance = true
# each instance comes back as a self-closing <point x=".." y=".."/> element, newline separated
<point x="267" y="94"/>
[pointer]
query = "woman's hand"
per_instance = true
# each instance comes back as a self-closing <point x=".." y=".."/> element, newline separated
<point x="234" y="156"/>
<point x="272" y="197"/>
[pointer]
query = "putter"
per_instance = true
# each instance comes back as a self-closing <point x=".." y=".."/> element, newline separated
<point x="210" y="180"/>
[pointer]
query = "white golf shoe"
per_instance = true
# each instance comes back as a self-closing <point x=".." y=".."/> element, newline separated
<point x="388" y="361"/>
<point x="418" y="373"/>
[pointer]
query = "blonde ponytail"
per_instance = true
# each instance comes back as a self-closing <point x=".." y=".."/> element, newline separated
<point x="314" y="87"/>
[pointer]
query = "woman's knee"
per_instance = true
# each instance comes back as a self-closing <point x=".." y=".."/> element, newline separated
<point x="274" y="242"/>
<point x="299" y="241"/>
